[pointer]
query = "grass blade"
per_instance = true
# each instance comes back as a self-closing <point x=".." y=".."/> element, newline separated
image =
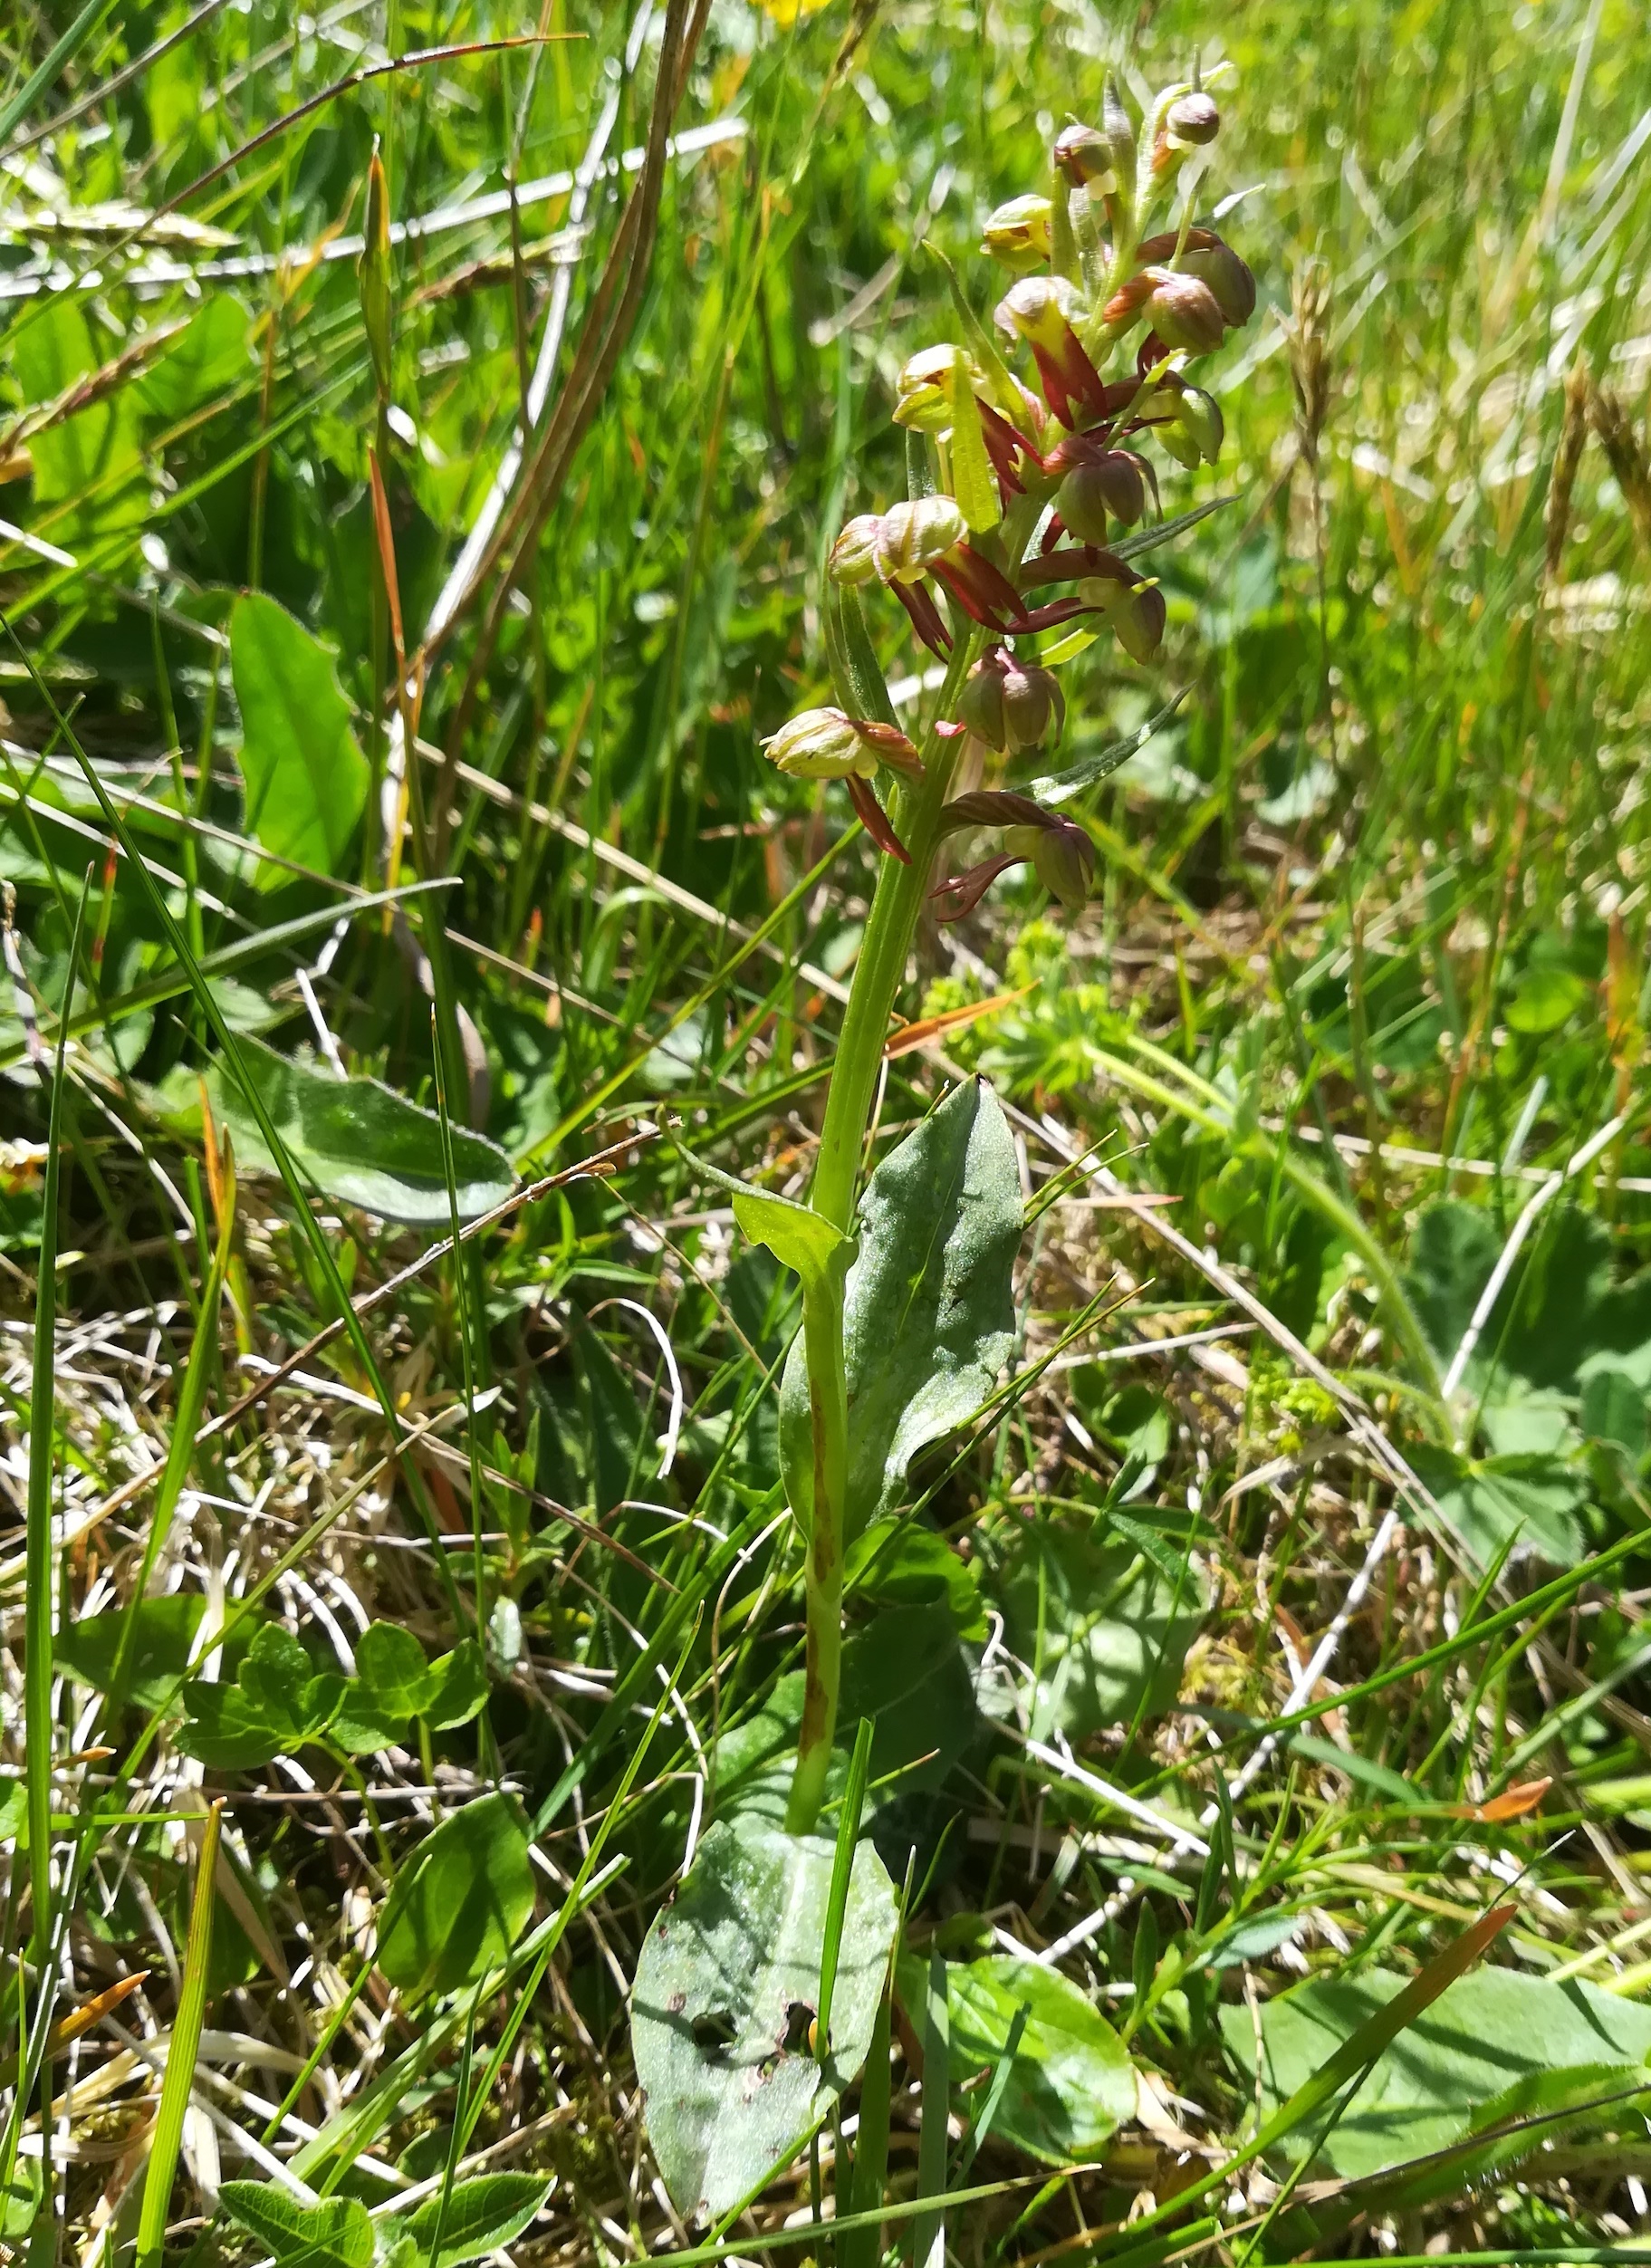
<point x="928" y="2230"/>
<point x="181" y="2053"/>
<point x="40" y="1580"/>
<point x="46" y="74"/>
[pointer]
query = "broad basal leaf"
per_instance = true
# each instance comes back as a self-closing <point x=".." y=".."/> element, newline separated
<point x="726" y="1989"/>
<point x="907" y="1673"/>
<point x="359" y="1142"/>
<point x="1485" y="2033"/>
<point x="929" y="1307"/>
<point x="460" y="1901"/>
<point x="1070" y="2084"/>
<point x="306" y="778"/>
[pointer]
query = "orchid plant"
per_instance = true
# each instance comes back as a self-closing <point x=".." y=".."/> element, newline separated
<point x="1027" y="495"/>
<point x="1019" y="492"/>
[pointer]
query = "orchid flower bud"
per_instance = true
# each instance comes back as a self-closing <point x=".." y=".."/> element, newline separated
<point x="1183" y="311"/>
<point x="854" y="554"/>
<point x="1109" y="483"/>
<point x="1031" y="701"/>
<point x="1137" y="614"/>
<point x="923" y="398"/>
<point x="1087" y="158"/>
<point x="1017" y="234"/>
<point x="980" y="704"/>
<point x="912" y="536"/>
<point x="1140" y="625"/>
<point x="1064" y="858"/>
<point x="1194" y="433"/>
<point x="821" y="744"/>
<point x="1228" y="276"/>
<point x="1193" y="119"/>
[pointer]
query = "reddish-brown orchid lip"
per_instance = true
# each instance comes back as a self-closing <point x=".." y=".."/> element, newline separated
<point x="1070" y="377"/>
<point x="875" y="819"/>
<point x="1046" y="617"/>
<point x="1004" y="442"/>
<point x="925" y="617"/>
<point x="963" y="892"/>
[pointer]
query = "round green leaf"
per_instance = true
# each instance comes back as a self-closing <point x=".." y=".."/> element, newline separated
<point x="460" y="1902"/>
<point x="1072" y="2083"/>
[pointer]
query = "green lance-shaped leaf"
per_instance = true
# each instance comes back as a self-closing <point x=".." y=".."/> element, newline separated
<point x="973" y="482"/>
<point x="305" y="776"/>
<point x="929" y="1306"/>
<point x="727" y="1989"/>
<point x="800" y="1239"/>
<point x="476" y="2218"/>
<point x="982" y="345"/>
<point x="856" y="672"/>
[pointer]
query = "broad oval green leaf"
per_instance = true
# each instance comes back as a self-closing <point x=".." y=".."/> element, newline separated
<point x="928" y="1304"/>
<point x="305" y="777"/>
<point x="160" y="1647"/>
<point x="359" y="1142"/>
<point x="1071" y="2084"/>
<point x="477" y="2217"/>
<point x="460" y="1902"/>
<point x="334" y="2232"/>
<point x="727" y="1988"/>
<point x="1485" y="2034"/>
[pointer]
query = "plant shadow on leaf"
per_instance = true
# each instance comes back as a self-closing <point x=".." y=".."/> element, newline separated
<point x="1104" y="1626"/>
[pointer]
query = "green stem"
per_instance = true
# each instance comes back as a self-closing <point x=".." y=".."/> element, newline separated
<point x="894" y="909"/>
<point x="822" y="1342"/>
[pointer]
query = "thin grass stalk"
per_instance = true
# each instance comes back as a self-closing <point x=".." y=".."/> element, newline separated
<point x="180" y="1449"/>
<point x="40" y="1578"/>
